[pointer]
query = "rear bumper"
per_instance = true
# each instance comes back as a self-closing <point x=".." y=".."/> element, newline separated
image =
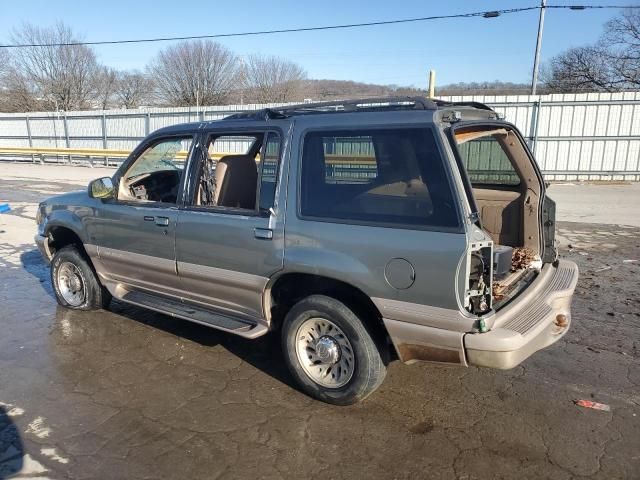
<point x="43" y="245"/>
<point x="538" y="318"/>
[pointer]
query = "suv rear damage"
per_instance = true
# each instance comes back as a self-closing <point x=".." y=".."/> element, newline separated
<point x="516" y="285"/>
<point x="359" y="230"/>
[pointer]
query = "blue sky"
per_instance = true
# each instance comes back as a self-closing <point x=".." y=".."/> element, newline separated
<point x="473" y="49"/>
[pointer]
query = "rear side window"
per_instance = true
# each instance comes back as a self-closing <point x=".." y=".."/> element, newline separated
<point x="390" y="176"/>
<point x="487" y="163"/>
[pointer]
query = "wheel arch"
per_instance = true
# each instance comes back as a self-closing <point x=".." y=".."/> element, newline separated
<point x="285" y="290"/>
<point x="59" y="236"/>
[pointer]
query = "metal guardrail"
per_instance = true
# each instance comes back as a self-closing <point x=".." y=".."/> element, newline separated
<point x="89" y="153"/>
<point x="40" y="154"/>
<point x="82" y="152"/>
<point x="337" y="165"/>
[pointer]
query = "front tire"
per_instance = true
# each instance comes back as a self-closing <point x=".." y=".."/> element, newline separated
<point x="75" y="283"/>
<point x="329" y="351"/>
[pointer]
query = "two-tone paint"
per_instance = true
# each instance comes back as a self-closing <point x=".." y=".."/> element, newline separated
<point x="228" y="261"/>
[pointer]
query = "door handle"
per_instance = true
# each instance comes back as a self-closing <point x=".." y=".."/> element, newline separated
<point x="263" y="233"/>
<point x="162" y="221"/>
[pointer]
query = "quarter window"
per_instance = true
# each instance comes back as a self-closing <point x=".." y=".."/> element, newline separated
<point x="390" y="176"/>
<point x="269" y="172"/>
<point x="485" y="159"/>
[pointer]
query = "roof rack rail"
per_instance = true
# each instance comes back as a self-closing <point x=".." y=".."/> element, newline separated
<point x="361" y="104"/>
<point x="478" y="105"/>
<point x="262" y="114"/>
<point x="419" y="103"/>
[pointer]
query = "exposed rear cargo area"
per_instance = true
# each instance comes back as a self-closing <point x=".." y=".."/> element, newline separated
<point x="507" y="193"/>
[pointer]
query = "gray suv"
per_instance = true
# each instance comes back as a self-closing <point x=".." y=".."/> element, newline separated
<point x="363" y="231"/>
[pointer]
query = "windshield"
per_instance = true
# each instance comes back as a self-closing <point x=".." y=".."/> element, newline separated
<point x="166" y="155"/>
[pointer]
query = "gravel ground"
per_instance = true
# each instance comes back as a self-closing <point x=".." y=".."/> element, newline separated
<point x="130" y="394"/>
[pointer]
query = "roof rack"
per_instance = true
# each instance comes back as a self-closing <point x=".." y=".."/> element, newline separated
<point x="262" y="114"/>
<point x="356" y="105"/>
<point x="478" y="105"/>
<point x="417" y="103"/>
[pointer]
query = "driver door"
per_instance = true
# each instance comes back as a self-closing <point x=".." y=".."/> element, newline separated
<point x="135" y="235"/>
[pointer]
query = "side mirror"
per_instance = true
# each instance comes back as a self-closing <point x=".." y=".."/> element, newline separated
<point x="101" y="188"/>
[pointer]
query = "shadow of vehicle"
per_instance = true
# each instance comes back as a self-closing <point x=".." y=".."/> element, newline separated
<point x="263" y="353"/>
<point x="11" y="447"/>
<point x="34" y="264"/>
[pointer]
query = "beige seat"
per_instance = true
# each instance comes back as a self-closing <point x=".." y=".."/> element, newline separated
<point x="236" y="179"/>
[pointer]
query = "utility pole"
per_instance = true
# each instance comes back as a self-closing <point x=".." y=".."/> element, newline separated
<point x="432" y="83"/>
<point x="536" y="61"/>
<point x="197" y="94"/>
<point x="242" y="80"/>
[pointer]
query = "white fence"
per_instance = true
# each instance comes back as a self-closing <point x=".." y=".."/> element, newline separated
<point x="592" y="136"/>
<point x="589" y="136"/>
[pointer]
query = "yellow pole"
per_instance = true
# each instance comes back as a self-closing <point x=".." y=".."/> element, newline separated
<point x="432" y="83"/>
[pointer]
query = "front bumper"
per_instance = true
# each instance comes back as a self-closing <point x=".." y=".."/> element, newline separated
<point x="43" y="245"/>
<point x="540" y="316"/>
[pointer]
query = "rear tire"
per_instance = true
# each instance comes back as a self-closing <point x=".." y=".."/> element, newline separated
<point x="329" y="351"/>
<point x="75" y="283"/>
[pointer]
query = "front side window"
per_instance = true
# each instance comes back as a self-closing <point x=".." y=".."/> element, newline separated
<point x="156" y="175"/>
<point x="390" y="176"/>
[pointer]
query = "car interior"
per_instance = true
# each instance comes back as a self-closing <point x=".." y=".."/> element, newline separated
<point x="231" y="180"/>
<point x="505" y="186"/>
<point x="507" y="194"/>
<point x="156" y="174"/>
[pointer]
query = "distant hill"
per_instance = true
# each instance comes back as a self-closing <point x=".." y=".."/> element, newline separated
<point x="484" y="88"/>
<point x="336" y="89"/>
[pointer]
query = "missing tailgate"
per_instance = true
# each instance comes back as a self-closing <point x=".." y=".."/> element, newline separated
<point x="507" y="193"/>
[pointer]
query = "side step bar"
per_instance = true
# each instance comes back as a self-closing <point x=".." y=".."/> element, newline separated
<point x="194" y="313"/>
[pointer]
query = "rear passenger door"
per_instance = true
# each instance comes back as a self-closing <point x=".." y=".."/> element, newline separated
<point x="380" y="202"/>
<point x="229" y="238"/>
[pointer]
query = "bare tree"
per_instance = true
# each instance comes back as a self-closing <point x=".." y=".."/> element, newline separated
<point x="65" y="75"/>
<point x="133" y="89"/>
<point x="19" y="95"/>
<point x="200" y="72"/>
<point x="622" y="38"/>
<point x="4" y="62"/>
<point x="613" y="63"/>
<point x="271" y="79"/>
<point x="106" y="82"/>
<point x="16" y="94"/>
<point x="580" y="69"/>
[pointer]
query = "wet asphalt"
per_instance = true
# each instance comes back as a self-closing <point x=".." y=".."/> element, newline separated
<point x="131" y="394"/>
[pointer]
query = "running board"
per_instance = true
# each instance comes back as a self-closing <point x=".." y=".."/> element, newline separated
<point x="194" y="313"/>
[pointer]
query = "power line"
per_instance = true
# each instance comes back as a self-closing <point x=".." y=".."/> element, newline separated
<point x="285" y="30"/>
<point x="590" y="7"/>
<point x="485" y="14"/>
